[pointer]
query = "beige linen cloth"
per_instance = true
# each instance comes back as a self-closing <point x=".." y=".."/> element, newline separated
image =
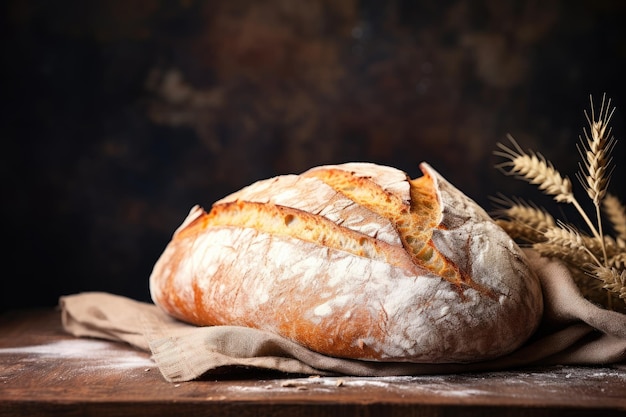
<point x="573" y="332"/>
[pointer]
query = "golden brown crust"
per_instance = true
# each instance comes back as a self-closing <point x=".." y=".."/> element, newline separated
<point x="356" y="261"/>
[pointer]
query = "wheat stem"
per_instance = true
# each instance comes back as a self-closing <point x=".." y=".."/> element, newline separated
<point x="600" y="232"/>
<point x="587" y="220"/>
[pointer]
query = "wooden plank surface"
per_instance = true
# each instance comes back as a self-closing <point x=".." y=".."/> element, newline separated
<point x="44" y="371"/>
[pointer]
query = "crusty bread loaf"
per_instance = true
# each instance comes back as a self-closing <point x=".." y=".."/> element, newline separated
<point x="354" y="261"/>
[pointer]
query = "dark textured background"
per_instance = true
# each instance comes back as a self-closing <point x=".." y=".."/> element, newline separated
<point x="118" y="116"/>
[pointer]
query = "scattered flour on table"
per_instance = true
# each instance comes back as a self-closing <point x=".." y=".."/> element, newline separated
<point x="428" y="385"/>
<point x="94" y="354"/>
<point x="509" y="384"/>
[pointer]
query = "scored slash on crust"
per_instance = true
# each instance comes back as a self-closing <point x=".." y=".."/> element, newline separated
<point x="415" y="222"/>
<point x="287" y="221"/>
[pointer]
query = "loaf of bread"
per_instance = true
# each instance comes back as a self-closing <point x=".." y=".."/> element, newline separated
<point x="354" y="261"/>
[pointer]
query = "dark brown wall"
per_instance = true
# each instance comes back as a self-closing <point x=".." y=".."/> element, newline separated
<point x="120" y="115"/>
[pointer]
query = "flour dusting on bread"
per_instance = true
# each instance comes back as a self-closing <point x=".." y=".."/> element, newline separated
<point x="356" y="261"/>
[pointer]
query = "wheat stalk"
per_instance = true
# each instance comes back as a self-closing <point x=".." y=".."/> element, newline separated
<point x="596" y="152"/>
<point x="599" y="256"/>
<point x="535" y="169"/>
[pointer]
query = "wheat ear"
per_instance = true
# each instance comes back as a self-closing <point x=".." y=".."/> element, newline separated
<point x="535" y="169"/>
<point x="522" y="220"/>
<point x="618" y="261"/>
<point x="568" y="237"/>
<point x="595" y="151"/>
<point x="521" y="211"/>
<point x="614" y="280"/>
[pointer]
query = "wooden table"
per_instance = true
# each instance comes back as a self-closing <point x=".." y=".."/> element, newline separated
<point x="44" y="371"/>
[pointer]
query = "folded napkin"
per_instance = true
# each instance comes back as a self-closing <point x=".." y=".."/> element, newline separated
<point x="573" y="332"/>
